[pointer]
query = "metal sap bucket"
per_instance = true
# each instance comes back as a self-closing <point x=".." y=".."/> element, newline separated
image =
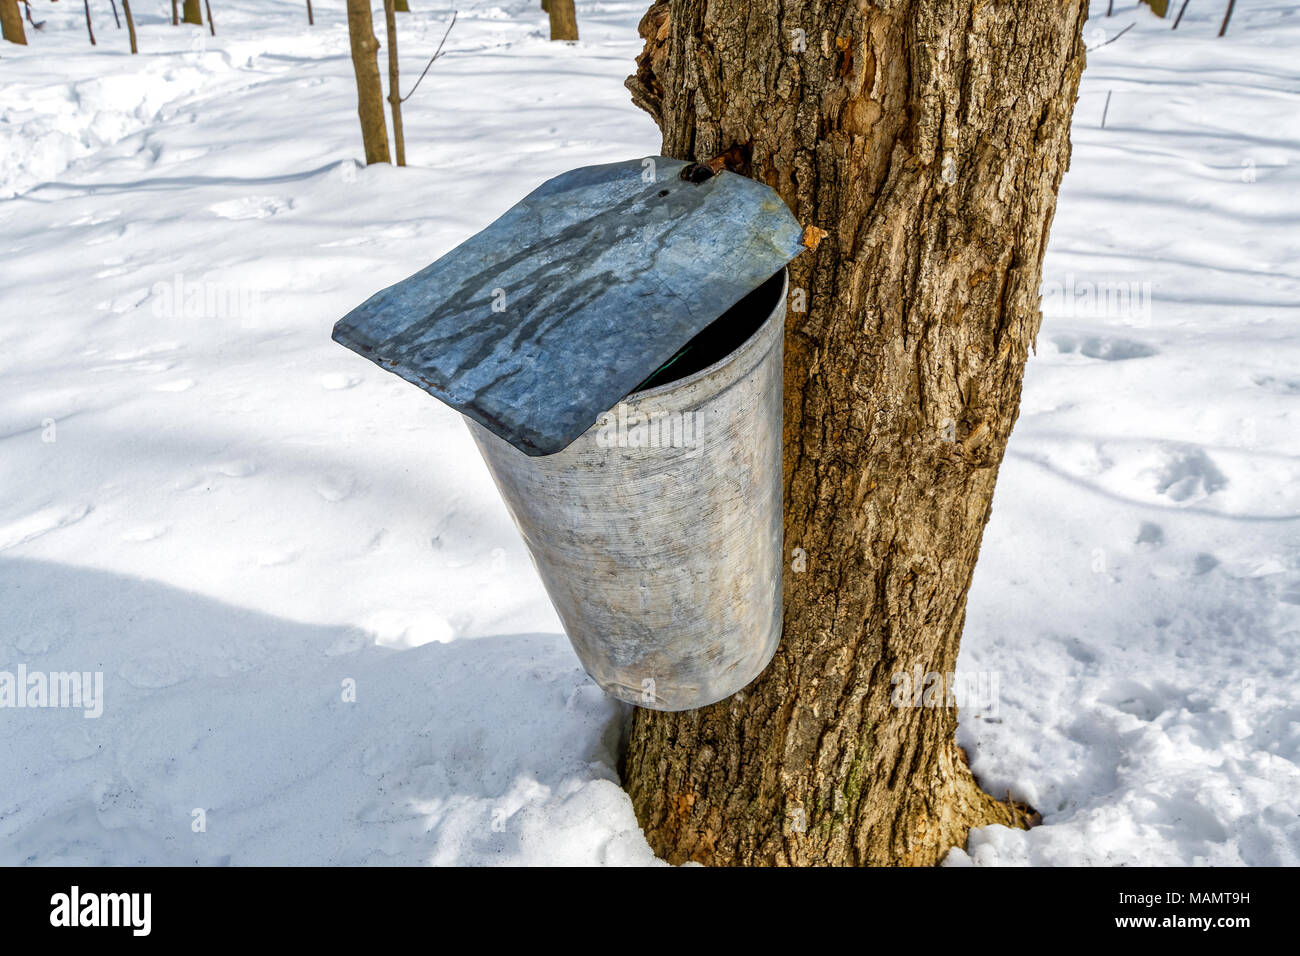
<point x="657" y="287"/>
<point x="657" y="533"/>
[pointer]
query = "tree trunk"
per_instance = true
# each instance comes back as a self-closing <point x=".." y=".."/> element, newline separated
<point x="401" y="6"/>
<point x="928" y="140"/>
<point x="1179" y="19"/>
<point x="1227" y="15"/>
<point x="89" y="29"/>
<point x="310" y="20"/>
<point x="192" y="12"/>
<point x="116" y="20"/>
<point x="174" y="18"/>
<point x="130" y="24"/>
<point x="394" y="94"/>
<point x="11" y="22"/>
<point x="564" y="20"/>
<point x="370" y="90"/>
<point x="212" y="26"/>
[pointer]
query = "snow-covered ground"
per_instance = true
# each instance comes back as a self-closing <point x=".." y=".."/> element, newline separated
<point x="321" y="639"/>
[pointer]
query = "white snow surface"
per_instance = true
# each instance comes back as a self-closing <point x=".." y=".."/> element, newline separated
<point x="240" y="523"/>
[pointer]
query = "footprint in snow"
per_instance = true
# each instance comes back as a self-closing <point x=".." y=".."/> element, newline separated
<point x="147" y="532"/>
<point x="1185" y="474"/>
<point x="128" y="355"/>
<point x="155" y="673"/>
<point x="241" y="468"/>
<point x="177" y="385"/>
<point x="106" y="235"/>
<point x="74" y="743"/>
<point x="35" y="641"/>
<point x="144" y="367"/>
<point x="335" y="487"/>
<point x="112" y="271"/>
<point x="1139" y="700"/>
<point x="1078" y="650"/>
<point x="1150" y="536"/>
<point x="349" y="642"/>
<point x="251" y="207"/>
<point x="406" y="629"/>
<point x="123" y="303"/>
<point x="40" y="523"/>
<point x="276" y="557"/>
<point x="96" y="218"/>
<point x="1280" y="384"/>
<point x="337" y="381"/>
<point x="1104" y="348"/>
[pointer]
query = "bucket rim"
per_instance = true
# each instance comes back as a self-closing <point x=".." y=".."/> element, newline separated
<point x="731" y="357"/>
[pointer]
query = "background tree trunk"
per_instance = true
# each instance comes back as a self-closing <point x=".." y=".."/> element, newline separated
<point x="401" y="6"/>
<point x="310" y="20"/>
<point x="928" y="140"/>
<point x="564" y="20"/>
<point x="174" y="17"/>
<point x="212" y="24"/>
<point x="11" y="22"/>
<point x="370" y="90"/>
<point x="394" y="94"/>
<point x="1227" y="15"/>
<point x="89" y="29"/>
<point x="191" y="12"/>
<point x="130" y="24"/>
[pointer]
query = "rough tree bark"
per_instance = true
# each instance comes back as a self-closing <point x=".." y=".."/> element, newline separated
<point x="192" y="12"/>
<point x="928" y="140"/>
<point x="564" y="20"/>
<point x="11" y="22"/>
<point x="370" y="90"/>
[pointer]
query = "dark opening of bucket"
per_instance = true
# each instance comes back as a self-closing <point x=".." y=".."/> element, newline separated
<point x="721" y="337"/>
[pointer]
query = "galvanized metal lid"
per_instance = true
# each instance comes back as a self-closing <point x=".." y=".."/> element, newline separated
<point x="548" y="317"/>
